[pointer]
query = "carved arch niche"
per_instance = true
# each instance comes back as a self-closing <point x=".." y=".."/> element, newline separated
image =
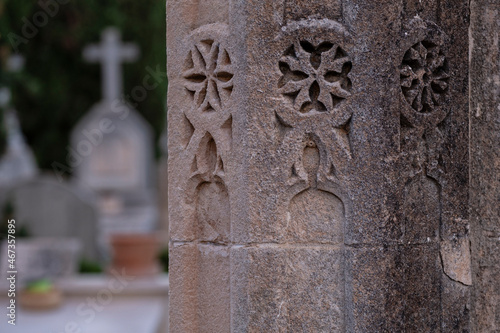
<point x="316" y="212"/>
<point x="212" y="212"/>
<point x="315" y="223"/>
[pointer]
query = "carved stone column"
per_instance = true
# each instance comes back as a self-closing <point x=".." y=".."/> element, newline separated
<point x="485" y="162"/>
<point x="318" y="165"/>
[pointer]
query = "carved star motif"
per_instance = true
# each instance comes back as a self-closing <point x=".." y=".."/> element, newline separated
<point x="209" y="75"/>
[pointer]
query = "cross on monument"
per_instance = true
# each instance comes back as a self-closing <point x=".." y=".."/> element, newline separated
<point x="111" y="52"/>
<point x="15" y="63"/>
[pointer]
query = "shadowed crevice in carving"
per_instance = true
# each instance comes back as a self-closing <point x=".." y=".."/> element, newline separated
<point x="345" y="134"/>
<point x="211" y="154"/>
<point x="316" y="52"/>
<point x="289" y="75"/>
<point x="315" y="105"/>
<point x="332" y="171"/>
<point x="227" y="128"/>
<point x="188" y="131"/>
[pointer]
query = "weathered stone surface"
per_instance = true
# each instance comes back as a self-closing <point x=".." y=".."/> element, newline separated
<point x="485" y="163"/>
<point x="457" y="261"/>
<point x="323" y="145"/>
<point x="201" y="275"/>
<point x="289" y="288"/>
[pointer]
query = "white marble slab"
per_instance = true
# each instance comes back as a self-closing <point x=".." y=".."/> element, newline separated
<point x="141" y="307"/>
<point x="122" y="314"/>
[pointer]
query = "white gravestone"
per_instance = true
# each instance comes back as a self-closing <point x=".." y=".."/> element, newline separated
<point x="113" y="149"/>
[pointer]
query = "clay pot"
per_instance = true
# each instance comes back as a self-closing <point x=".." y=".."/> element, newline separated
<point x="136" y="255"/>
<point x="41" y="301"/>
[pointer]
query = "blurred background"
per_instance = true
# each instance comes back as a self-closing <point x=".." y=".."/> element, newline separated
<point x="83" y="166"/>
<point x="57" y="87"/>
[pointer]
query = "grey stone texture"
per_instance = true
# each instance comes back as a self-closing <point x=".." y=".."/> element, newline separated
<point x="485" y="163"/>
<point x="319" y="165"/>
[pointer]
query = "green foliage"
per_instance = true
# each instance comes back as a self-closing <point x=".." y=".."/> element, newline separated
<point x="3" y="134"/>
<point x="87" y="267"/>
<point x="163" y="257"/>
<point x="57" y="87"/>
<point x="41" y="286"/>
<point x="7" y="213"/>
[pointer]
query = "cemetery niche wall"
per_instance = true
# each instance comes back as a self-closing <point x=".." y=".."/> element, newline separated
<point x="319" y="166"/>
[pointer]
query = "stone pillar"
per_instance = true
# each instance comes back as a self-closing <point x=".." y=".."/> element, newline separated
<point x="318" y="165"/>
<point x="485" y="162"/>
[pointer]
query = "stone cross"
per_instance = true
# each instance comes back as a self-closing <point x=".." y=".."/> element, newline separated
<point x="111" y="53"/>
<point x="15" y="63"/>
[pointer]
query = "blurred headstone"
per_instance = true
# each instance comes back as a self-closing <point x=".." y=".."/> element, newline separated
<point x="46" y="207"/>
<point x="113" y="149"/>
<point x="42" y="258"/>
<point x="18" y="162"/>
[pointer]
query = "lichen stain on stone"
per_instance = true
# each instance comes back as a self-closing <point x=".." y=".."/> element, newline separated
<point x="456" y="258"/>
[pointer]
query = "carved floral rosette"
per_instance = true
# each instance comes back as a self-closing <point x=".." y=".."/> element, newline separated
<point x="423" y="74"/>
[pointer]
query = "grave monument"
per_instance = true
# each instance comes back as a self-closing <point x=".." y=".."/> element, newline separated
<point x="112" y="149"/>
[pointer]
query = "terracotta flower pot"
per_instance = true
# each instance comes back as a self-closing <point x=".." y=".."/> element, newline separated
<point x="136" y="254"/>
<point x="41" y="301"/>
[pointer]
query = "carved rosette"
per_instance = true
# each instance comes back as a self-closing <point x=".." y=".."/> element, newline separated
<point x="208" y="74"/>
<point x="315" y="77"/>
<point x="424" y="80"/>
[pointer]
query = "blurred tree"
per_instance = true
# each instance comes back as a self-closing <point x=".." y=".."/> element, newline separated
<point x="57" y="87"/>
